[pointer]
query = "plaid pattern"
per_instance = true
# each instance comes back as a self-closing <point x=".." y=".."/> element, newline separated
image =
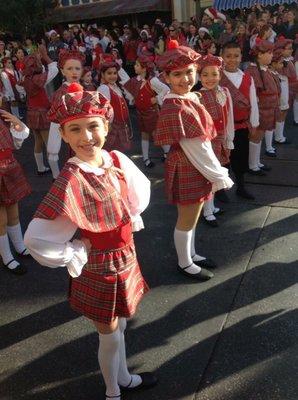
<point x="6" y="141"/>
<point x="209" y="60"/>
<point x="177" y="58"/>
<point x="241" y="98"/>
<point x="13" y="183"/>
<point x="220" y="150"/>
<point x="37" y="119"/>
<point x="268" y="96"/>
<point x="184" y="183"/>
<point x="219" y="114"/>
<point x="147" y="120"/>
<point x="119" y="137"/>
<point x="181" y="118"/>
<point x="111" y="285"/>
<point x="88" y="200"/>
<point x="59" y="93"/>
<point x="133" y="86"/>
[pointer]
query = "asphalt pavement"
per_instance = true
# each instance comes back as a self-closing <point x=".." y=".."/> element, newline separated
<point x="233" y="337"/>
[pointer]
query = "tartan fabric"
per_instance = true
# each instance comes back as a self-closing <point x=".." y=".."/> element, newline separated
<point x="6" y="141"/>
<point x="119" y="137"/>
<point x="59" y="93"/>
<point x="219" y="113"/>
<point x="240" y="96"/>
<point x="290" y="71"/>
<point x="220" y="150"/>
<point x="90" y="201"/>
<point x="183" y="118"/>
<point x="177" y="58"/>
<point x="111" y="285"/>
<point x="184" y="183"/>
<point x="147" y="119"/>
<point x="133" y="86"/>
<point x="37" y="119"/>
<point x="13" y="183"/>
<point x="208" y="61"/>
<point x="268" y="97"/>
<point x="34" y="78"/>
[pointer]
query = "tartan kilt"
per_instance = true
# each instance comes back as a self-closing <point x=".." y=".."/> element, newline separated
<point x="37" y="119"/>
<point x="268" y="118"/>
<point x="221" y="152"/>
<point x="13" y="183"/>
<point x="184" y="183"/>
<point x="147" y="120"/>
<point x="119" y="137"/>
<point x="111" y="285"/>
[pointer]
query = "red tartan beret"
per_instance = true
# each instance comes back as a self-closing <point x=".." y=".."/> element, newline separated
<point x="277" y="55"/>
<point x="65" y="55"/>
<point x="282" y="42"/>
<point x="177" y="57"/>
<point x="78" y="103"/>
<point x="210" y="61"/>
<point x="146" y="62"/>
<point x="107" y="62"/>
<point x="262" y="46"/>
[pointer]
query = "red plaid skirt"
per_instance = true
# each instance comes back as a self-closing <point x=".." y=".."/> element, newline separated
<point x="147" y="120"/>
<point x="184" y="183"/>
<point x="268" y="118"/>
<point x="13" y="183"/>
<point x="221" y="152"/>
<point x="37" y="119"/>
<point x="119" y="137"/>
<point x="111" y="285"/>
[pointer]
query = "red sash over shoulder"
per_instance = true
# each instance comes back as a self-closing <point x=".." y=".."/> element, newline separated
<point x="183" y="117"/>
<point x="90" y="201"/>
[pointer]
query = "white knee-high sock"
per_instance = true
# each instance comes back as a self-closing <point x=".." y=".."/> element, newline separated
<point x="208" y="207"/>
<point x="268" y="141"/>
<point x="108" y="358"/>
<point x="182" y="240"/>
<point x="279" y="131"/>
<point x="195" y="257"/>
<point x="54" y="168"/>
<point x="39" y="161"/>
<point x="295" y="110"/>
<point x="5" y="252"/>
<point x="145" y="149"/>
<point x="259" y="153"/>
<point x="253" y="159"/>
<point x="16" y="236"/>
<point x="124" y="377"/>
<point x="166" y="148"/>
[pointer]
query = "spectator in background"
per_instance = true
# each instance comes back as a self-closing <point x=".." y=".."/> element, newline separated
<point x="115" y="43"/>
<point x="192" y="36"/>
<point x="30" y="48"/>
<point x="290" y="28"/>
<point x="4" y="53"/>
<point x="104" y="40"/>
<point x="146" y="45"/>
<point x="55" y="45"/>
<point x="228" y="34"/>
<point x="130" y="50"/>
<point x="67" y="38"/>
<point x="19" y="64"/>
<point x="159" y="39"/>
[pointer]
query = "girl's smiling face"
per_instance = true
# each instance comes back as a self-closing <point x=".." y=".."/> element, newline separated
<point x="210" y="77"/>
<point x="182" y="80"/>
<point x="72" y="70"/>
<point x="86" y="137"/>
<point x="139" y="70"/>
<point x="110" y="75"/>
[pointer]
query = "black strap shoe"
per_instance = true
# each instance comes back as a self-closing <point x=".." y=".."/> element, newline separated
<point x="259" y="172"/>
<point x="148" y="163"/>
<point x="19" y="270"/>
<point x="203" y="275"/>
<point x="148" y="380"/>
<point x="207" y="263"/>
<point x="213" y="223"/>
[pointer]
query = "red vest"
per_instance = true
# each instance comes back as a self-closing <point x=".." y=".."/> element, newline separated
<point x="218" y="113"/>
<point x="121" y="113"/>
<point x="143" y="99"/>
<point x="39" y="101"/>
<point x="242" y="115"/>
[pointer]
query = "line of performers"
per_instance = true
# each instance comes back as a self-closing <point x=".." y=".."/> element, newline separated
<point x="100" y="191"/>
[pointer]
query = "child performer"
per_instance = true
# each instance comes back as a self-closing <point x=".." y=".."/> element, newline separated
<point x="276" y="67"/>
<point x="288" y="71"/>
<point x="217" y="101"/>
<point x="13" y="187"/>
<point x="268" y="92"/>
<point x="102" y="194"/>
<point x="120" y="133"/>
<point x="35" y="81"/>
<point x="71" y="64"/>
<point x="245" y="110"/>
<point x="148" y="92"/>
<point x="87" y="81"/>
<point x="192" y="169"/>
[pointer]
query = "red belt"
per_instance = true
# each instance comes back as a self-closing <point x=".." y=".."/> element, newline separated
<point x="5" y="154"/>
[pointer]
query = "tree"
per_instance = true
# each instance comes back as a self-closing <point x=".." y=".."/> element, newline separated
<point x="24" y="17"/>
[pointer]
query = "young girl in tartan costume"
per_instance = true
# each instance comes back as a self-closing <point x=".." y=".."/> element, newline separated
<point x="120" y="133"/>
<point x="35" y="81"/>
<point x="87" y="81"/>
<point x="245" y="110"/>
<point x="13" y="187"/>
<point x="217" y="101"/>
<point x="102" y="194"/>
<point x="192" y="170"/>
<point x="268" y="92"/>
<point x="287" y="73"/>
<point x="71" y="64"/>
<point x="148" y="93"/>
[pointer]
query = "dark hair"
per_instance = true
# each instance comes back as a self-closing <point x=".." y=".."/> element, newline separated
<point x="232" y="44"/>
<point x="158" y="31"/>
<point x="114" y="35"/>
<point x="134" y="34"/>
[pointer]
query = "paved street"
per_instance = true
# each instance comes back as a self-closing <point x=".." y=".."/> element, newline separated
<point x="234" y="337"/>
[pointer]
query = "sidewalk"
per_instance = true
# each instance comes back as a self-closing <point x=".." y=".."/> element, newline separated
<point x="231" y="338"/>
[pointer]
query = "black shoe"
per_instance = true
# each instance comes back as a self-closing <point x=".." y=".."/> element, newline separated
<point x="148" y="380"/>
<point x="222" y="196"/>
<point x="22" y="254"/>
<point x="259" y="172"/>
<point x="19" y="270"/>
<point x="219" y="212"/>
<point x="148" y="163"/>
<point x="285" y="142"/>
<point x="203" y="275"/>
<point x="213" y="223"/>
<point x="242" y="192"/>
<point x="207" y="263"/>
<point x="266" y="168"/>
<point x="46" y="171"/>
<point x="270" y="154"/>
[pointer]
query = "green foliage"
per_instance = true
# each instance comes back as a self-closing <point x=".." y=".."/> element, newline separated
<point x="23" y="17"/>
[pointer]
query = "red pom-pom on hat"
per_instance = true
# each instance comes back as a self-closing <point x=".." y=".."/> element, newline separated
<point x="173" y="44"/>
<point x="74" y="88"/>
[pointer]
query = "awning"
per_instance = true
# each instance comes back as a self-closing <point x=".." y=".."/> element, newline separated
<point x="105" y="9"/>
<point x="232" y="4"/>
